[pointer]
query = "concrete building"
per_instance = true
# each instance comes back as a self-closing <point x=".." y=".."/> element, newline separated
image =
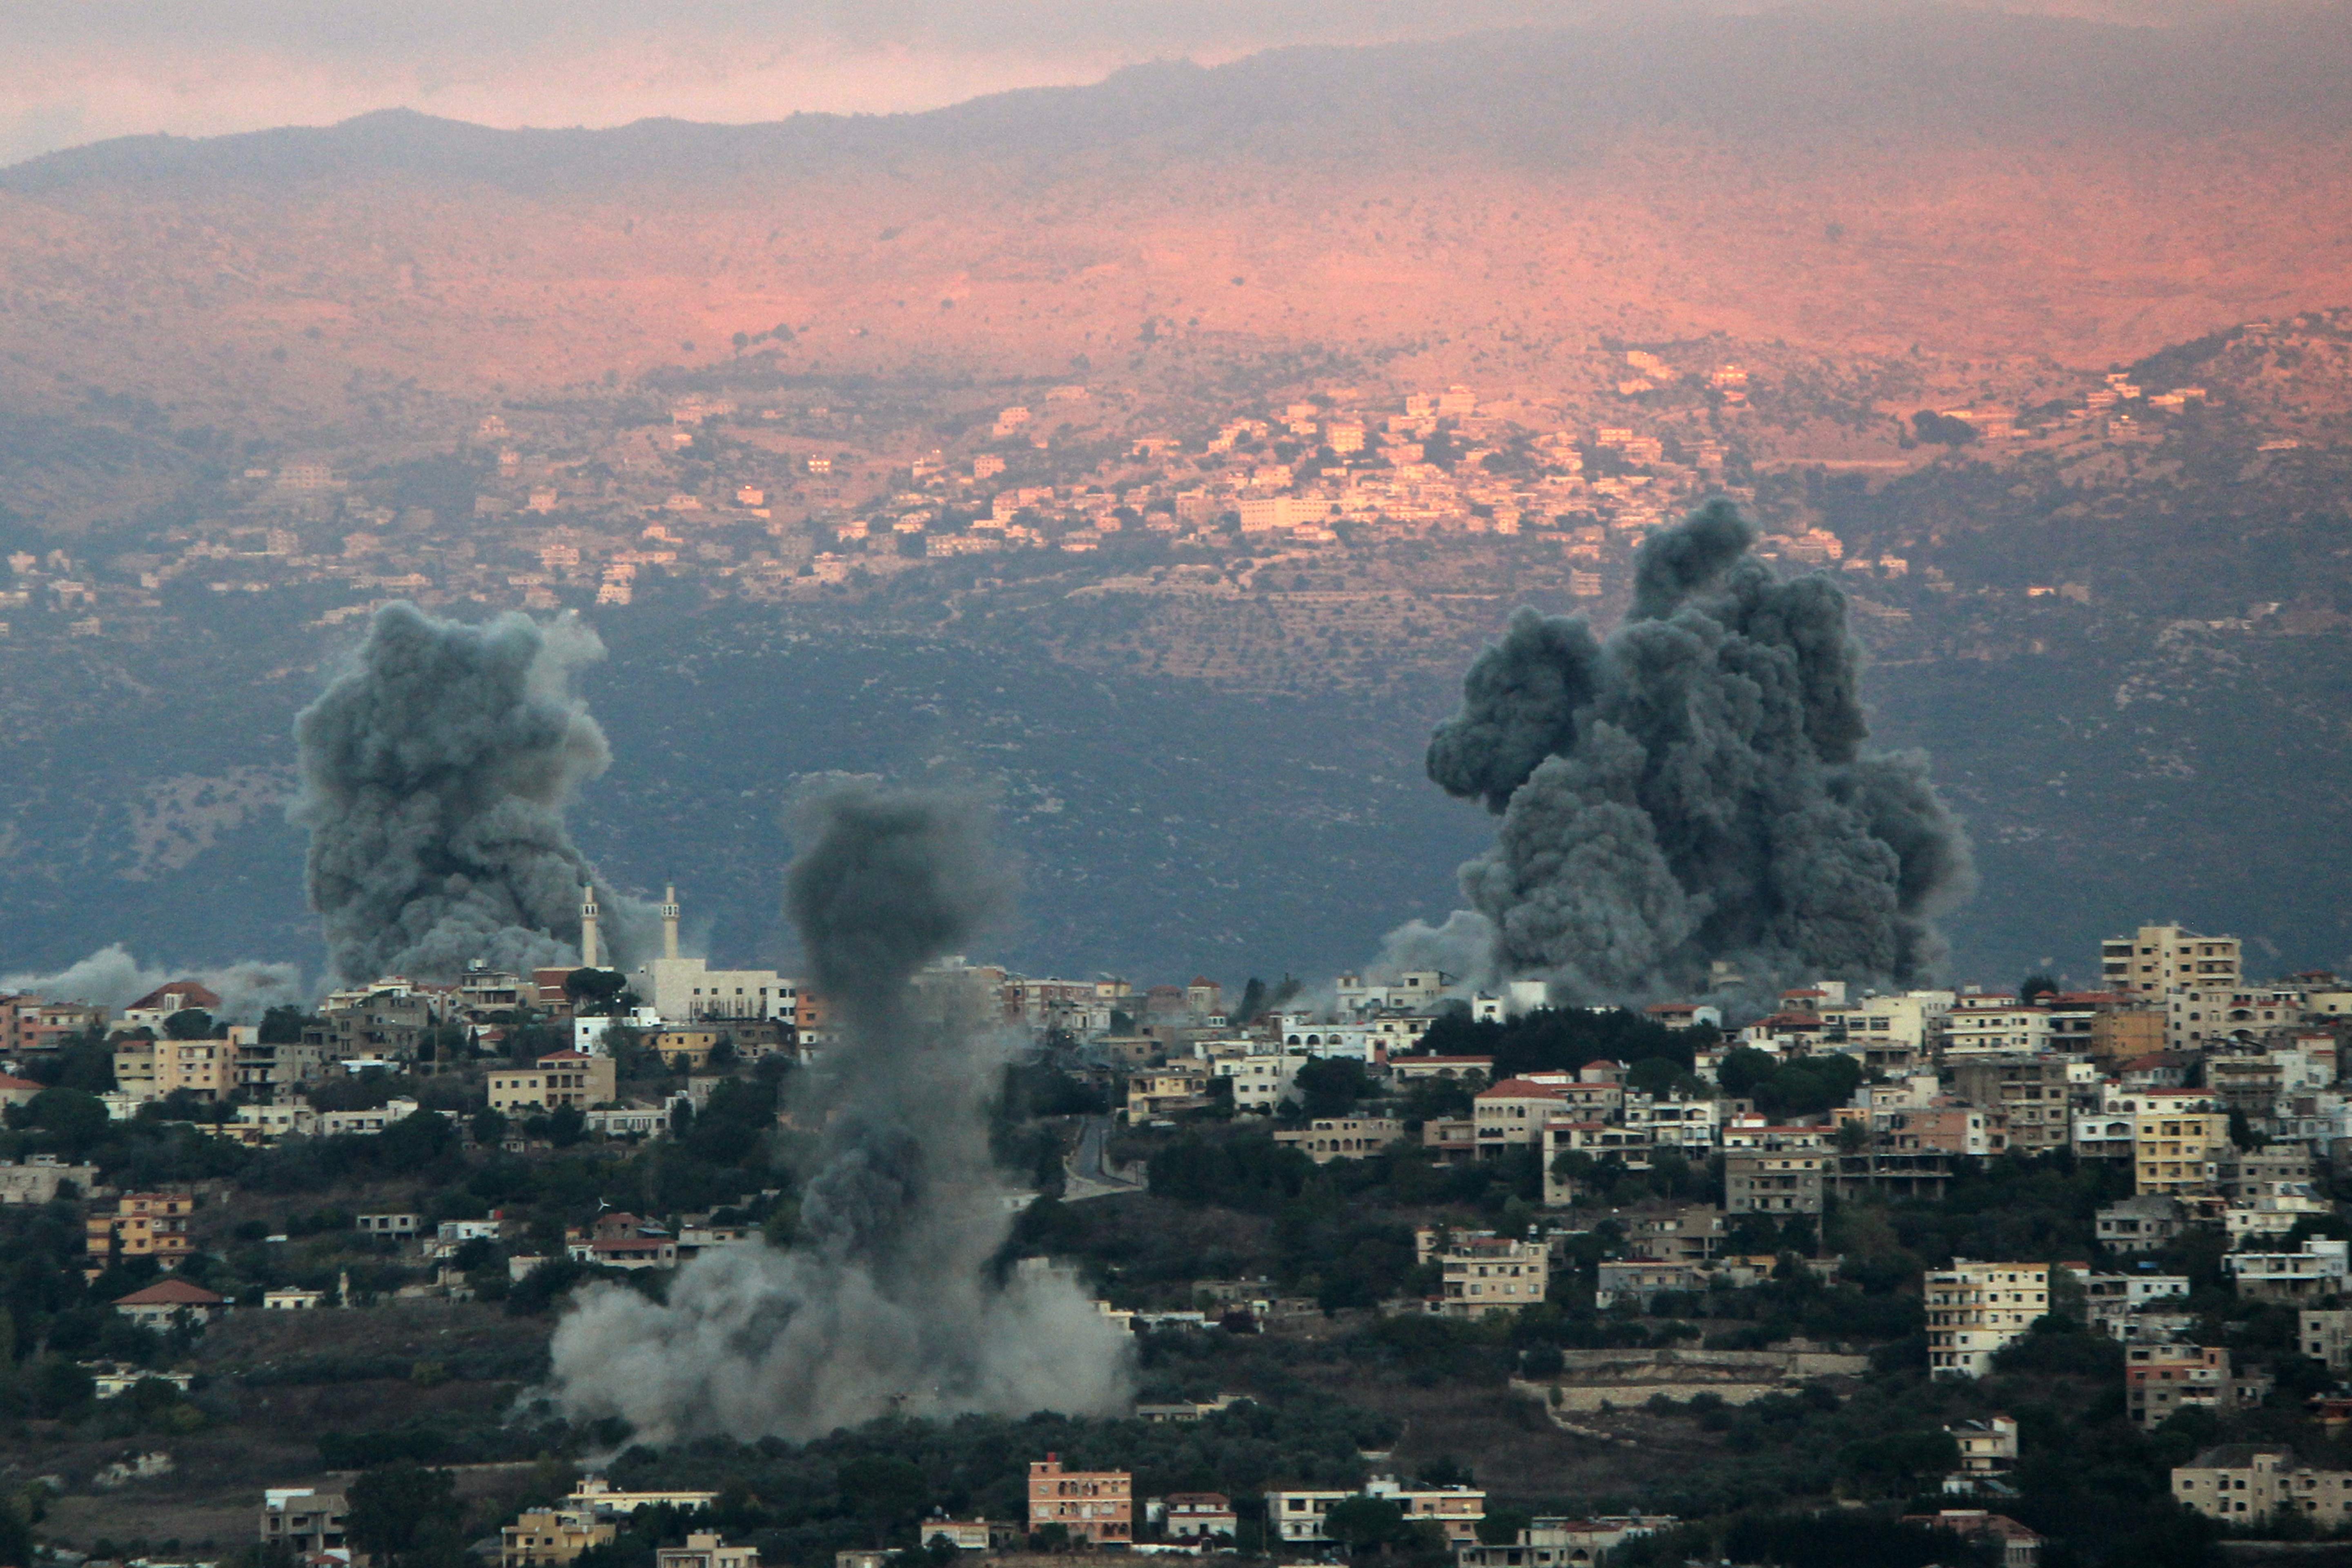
<point x="160" y="1305"/>
<point x="40" y="1177"/>
<point x="2247" y="1483"/>
<point x="688" y="991"/>
<point x="2198" y="1015"/>
<point x="1327" y="1138"/>
<point x="2159" y="959"/>
<point x="2032" y="1091"/>
<point x="597" y="1495"/>
<point x="143" y="1225"/>
<point x="2021" y="1547"/>
<point x="2178" y="1151"/>
<point x="1164" y="1092"/>
<point x="556" y="1079"/>
<point x="151" y="1069"/>
<point x="1296" y="1517"/>
<point x="2314" y="1274"/>
<point x="305" y="1522"/>
<point x="552" y="1537"/>
<point x="1511" y="1114"/>
<point x="1994" y="1026"/>
<point x="1197" y="1516"/>
<point x="1987" y="1447"/>
<point x="2159" y="1379"/>
<point x="2327" y="1337"/>
<point x="1786" y="1181"/>
<point x="705" y="1549"/>
<point x="1483" y="1272"/>
<point x="1974" y="1309"/>
<point x="1094" y="1506"/>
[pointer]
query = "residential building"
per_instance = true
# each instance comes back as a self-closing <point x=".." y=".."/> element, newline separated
<point x="552" y="1538"/>
<point x="2159" y="1379"/>
<point x="1094" y="1506"/>
<point x="704" y="1549"/>
<point x="1260" y="1083"/>
<point x="2021" y="1547"/>
<point x="40" y="1178"/>
<point x="2145" y="1224"/>
<point x="1789" y="1182"/>
<point x="2032" y="1091"/>
<point x="2196" y="1016"/>
<point x="1563" y="1543"/>
<point x="1328" y="1138"/>
<point x="1974" y="1309"/>
<point x="151" y="1069"/>
<point x="1295" y="1517"/>
<point x="556" y="1079"/>
<point x="161" y="1304"/>
<point x="2178" y="1151"/>
<point x="598" y="1496"/>
<point x="1994" y="1026"/>
<point x="2314" y="1274"/>
<point x="398" y="1225"/>
<point x="1164" y="1092"/>
<point x="2157" y="959"/>
<point x="306" y="1523"/>
<point x="1988" y="1447"/>
<point x="143" y="1225"/>
<point x="1483" y="1272"/>
<point x="1511" y="1114"/>
<point x="1900" y="1029"/>
<point x="2248" y="1483"/>
<point x="621" y="1241"/>
<point x="1197" y="1516"/>
<point x="966" y="1535"/>
<point x="2113" y="1301"/>
<point x="2327" y="1337"/>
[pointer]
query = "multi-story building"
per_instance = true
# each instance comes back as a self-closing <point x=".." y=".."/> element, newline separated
<point x="307" y="1523"/>
<point x="705" y="1549"/>
<point x="1295" y="1517"/>
<point x="552" y="1538"/>
<point x="2247" y="1483"/>
<point x="556" y="1079"/>
<point x="1987" y="1447"/>
<point x="2030" y="1091"/>
<point x="2313" y="1274"/>
<point x="1094" y="1506"/>
<point x="150" y="1069"/>
<point x="2327" y="1337"/>
<point x="1483" y="1272"/>
<point x="1906" y="1024"/>
<point x="2159" y="1379"/>
<point x="1994" y="1026"/>
<point x="1511" y="1114"/>
<point x="2196" y="1016"/>
<point x="1780" y="1182"/>
<point x="1974" y="1309"/>
<point x="1330" y="1138"/>
<point x="2159" y="959"/>
<point x="1164" y="1091"/>
<point x="2178" y="1151"/>
<point x="143" y="1225"/>
<point x="1260" y="1083"/>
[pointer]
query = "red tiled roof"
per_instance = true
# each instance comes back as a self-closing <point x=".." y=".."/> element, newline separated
<point x="9" y="1084"/>
<point x="192" y="994"/>
<point x="1520" y="1088"/>
<point x="171" y="1293"/>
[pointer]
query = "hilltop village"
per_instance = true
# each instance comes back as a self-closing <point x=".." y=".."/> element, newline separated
<point x="1410" y="1267"/>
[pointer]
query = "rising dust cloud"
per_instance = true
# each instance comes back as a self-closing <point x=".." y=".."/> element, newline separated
<point x="889" y="1301"/>
<point x="1692" y="790"/>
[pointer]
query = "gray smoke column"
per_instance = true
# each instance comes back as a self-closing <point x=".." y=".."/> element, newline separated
<point x="435" y="771"/>
<point x="890" y="1300"/>
<point x="1695" y="789"/>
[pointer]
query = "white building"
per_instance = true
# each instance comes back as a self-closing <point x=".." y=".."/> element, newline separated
<point x="1974" y="1309"/>
<point x="688" y="991"/>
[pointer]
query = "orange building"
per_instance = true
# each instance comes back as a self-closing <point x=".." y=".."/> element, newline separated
<point x="143" y="1225"/>
<point x="1094" y="1506"/>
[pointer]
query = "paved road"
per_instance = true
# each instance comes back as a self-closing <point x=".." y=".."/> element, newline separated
<point x="1086" y="1174"/>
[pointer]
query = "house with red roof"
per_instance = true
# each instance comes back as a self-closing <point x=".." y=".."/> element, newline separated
<point x="159" y="1304"/>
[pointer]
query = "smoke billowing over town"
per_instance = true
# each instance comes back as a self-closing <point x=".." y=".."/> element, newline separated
<point x="1691" y="799"/>
<point x="893" y="1298"/>
<point x="435" y="774"/>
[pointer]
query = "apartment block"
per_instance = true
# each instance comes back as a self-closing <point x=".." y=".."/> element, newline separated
<point x="1094" y="1506"/>
<point x="1782" y="1182"/>
<point x="2157" y="959"/>
<point x="2178" y="1151"/>
<point x="143" y="1225"/>
<point x="556" y="1079"/>
<point x="2243" y="1483"/>
<point x="1483" y="1272"/>
<point x="1974" y="1309"/>
<point x="2030" y="1091"/>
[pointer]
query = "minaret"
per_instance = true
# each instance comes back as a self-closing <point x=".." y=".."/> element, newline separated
<point x="669" y="921"/>
<point x="588" y="955"/>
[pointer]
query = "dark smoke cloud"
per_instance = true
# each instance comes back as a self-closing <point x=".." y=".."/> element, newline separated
<point x="1692" y="790"/>
<point x="889" y="1301"/>
<point x="435" y="771"/>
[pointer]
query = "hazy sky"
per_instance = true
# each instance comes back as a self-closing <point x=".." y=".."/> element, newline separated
<point x="80" y="70"/>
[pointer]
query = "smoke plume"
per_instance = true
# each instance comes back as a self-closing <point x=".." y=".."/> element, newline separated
<point x="889" y="1301"/>
<point x="435" y="772"/>
<point x="111" y="977"/>
<point x="1693" y="791"/>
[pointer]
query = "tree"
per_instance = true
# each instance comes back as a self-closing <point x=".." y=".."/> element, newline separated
<point x="77" y="1120"/>
<point x="392" y="1507"/>
<point x="1365" y="1523"/>
<point x="1743" y="1068"/>
<point x="1942" y="428"/>
<point x="595" y="992"/>
<point x="189" y="1024"/>
<point x="2037" y="985"/>
<point x="282" y="1027"/>
<point x="881" y="1490"/>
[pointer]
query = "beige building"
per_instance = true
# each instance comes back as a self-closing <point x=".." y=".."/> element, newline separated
<point x="151" y="1069"/>
<point x="304" y="1521"/>
<point x="1994" y="1026"/>
<point x="1296" y="1517"/>
<point x="552" y="1538"/>
<point x="2030" y="1091"/>
<point x="556" y="1079"/>
<point x="1987" y="1448"/>
<point x="1094" y="1506"/>
<point x="2178" y="1151"/>
<point x="143" y="1225"/>
<point x="1164" y="1091"/>
<point x="1330" y="1138"/>
<point x="1786" y="1181"/>
<point x="2327" y="1337"/>
<point x="2164" y="958"/>
<point x="704" y="1549"/>
<point x="1974" y="1309"/>
<point x="1483" y="1272"/>
<point x="2244" y="1483"/>
<point x="1512" y="1113"/>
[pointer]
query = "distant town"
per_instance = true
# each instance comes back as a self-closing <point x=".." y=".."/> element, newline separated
<point x="1698" y="1178"/>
